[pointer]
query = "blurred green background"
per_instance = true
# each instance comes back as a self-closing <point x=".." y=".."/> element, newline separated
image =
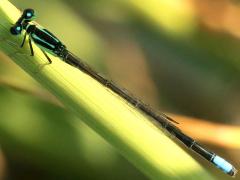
<point x="179" y="56"/>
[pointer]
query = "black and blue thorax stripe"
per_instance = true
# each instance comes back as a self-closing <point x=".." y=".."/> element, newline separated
<point x="48" y="42"/>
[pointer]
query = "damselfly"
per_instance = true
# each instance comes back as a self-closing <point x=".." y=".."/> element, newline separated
<point x="49" y="43"/>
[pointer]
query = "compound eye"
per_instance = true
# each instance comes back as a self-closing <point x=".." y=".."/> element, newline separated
<point x="15" y="30"/>
<point x="28" y="14"/>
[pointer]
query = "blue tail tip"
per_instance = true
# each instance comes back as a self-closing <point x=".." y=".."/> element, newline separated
<point x="225" y="166"/>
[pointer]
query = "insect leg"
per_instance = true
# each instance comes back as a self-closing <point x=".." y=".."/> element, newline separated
<point x="48" y="58"/>
<point x="31" y="48"/>
<point x="24" y="39"/>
